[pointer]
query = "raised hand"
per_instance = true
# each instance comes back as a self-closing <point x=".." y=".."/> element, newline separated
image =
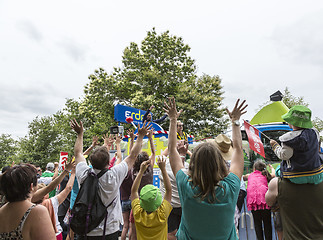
<point x="95" y="141"/>
<point x="170" y="109"/>
<point x="151" y="107"/>
<point x="161" y="162"/>
<point x="70" y="166"/>
<point x="179" y="113"/>
<point x="144" y="130"/>
<point x="131" y="134"/>
<point x="238" y="110"/>
<point x="118" y="139"/>
<point x="144" y="165"/>
<point x="182" y="147"/>
<point x="108" y="139"/>
<point x="78" y="127"/>
<point x="151" y="133"/>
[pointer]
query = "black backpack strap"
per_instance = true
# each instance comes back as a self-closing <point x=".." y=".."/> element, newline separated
<point x="102" y="172"/>
<point x="106" y="218"/>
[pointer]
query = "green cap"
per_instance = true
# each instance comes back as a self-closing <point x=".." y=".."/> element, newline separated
<point x="299" y="116"/>
<point x="150" y="198"/>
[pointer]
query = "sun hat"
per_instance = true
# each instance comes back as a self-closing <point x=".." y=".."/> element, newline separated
<point x="150" y="198"/>
<point x="50" y="166"/>
<point x="299" y="116"/>
<point x="223" y="143"/>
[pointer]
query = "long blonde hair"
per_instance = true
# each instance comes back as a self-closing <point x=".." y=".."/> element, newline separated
<point x="207" y="168"/>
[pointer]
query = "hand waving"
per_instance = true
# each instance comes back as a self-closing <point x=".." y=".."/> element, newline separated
<point x="171" y="110"/>
<point x="238" y="110"/>
<point x="144" y="165"/>
<point x="78" y="127"/>
<point x="144" y="130"/>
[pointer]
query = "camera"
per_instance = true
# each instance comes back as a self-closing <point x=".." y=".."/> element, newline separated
<point x="116" y="130"/>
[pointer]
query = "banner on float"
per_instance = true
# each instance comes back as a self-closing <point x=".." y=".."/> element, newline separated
<point x="255" y="143"/>
<point x="121" y="112"/>
<point x="62" y="160"/>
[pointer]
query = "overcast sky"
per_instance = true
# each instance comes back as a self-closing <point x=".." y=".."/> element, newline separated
<point x="48" y="48"/>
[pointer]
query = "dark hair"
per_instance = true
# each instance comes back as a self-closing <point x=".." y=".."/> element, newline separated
<point x="15" y="182"/>
<point x="207" y="168"/>
<point x="5" y="168"/>
<point x="141" y="157"/>
<point x="262" y="167"/>
<point x="100" y="158"/>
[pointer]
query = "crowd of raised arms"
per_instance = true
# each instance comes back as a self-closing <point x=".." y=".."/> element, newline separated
<point x="201" y="191"/>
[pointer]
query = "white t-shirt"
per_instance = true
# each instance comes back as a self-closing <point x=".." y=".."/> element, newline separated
<point x="109" y="185"/>
<point x="175" y="197"/>
<point x="55" y="206"/>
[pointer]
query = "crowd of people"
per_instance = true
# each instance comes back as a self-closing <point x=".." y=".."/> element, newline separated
<point x="198" y="199"/>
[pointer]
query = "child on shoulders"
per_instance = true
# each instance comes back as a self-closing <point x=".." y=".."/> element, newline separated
<point x="300" y="148"/>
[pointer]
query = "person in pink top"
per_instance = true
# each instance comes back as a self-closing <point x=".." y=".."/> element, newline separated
<point x="256" y="203"/>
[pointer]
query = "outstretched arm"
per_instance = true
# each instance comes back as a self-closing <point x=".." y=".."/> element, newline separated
<point x="108" y="141"/>
<point x="161" y="119"/>
<point x="78" y="147"/>
<point x="152" y="147"/>
<point x="161" y="161"/>
<point x="68" y="188"/>
<point x="144" y="118"/>
<point x="39" y="194"/>
<point x="55" y="170"/>
<point x="119" y="154"/>
<point x="95" y="140"/>
<point x="130" y="160"/>
<point x="132" y="139"/>
<point x="135" y="186"/>
<point x="174" y="157"/>
<point x="237" y="161"/>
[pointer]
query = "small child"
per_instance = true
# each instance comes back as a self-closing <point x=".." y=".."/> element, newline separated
<point x="151" y="211"/>
<point x="300" y="148"/>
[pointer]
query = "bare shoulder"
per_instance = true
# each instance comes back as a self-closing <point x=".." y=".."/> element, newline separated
<point x="38" y="212"/>
<point x="273" y="184"/>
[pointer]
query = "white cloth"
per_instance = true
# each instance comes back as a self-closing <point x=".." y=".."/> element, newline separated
<point x="109" y="185"/>
<point x="55" y="207"/>
<point x="176" y="203"/>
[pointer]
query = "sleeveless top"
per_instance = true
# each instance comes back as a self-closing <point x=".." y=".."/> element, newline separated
<point x="17" y="233"/>
<point x="256" y="190"/>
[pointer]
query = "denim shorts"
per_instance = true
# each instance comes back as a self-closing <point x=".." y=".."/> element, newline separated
<point x="126" y="205"/>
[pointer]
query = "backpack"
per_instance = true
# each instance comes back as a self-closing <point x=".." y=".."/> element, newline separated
<point x="88" y="210"/>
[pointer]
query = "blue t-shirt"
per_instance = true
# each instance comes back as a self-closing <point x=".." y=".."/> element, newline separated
<point x="202" y="220"/>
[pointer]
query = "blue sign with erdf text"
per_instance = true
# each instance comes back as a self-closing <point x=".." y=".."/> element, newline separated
<point x="121" y="112"/>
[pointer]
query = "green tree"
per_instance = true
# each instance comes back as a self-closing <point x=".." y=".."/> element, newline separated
<point x="291" y="100"/>
<point x="150" y="73"/>
<point x="8" y="149"/>
<point x="47" y="137"/>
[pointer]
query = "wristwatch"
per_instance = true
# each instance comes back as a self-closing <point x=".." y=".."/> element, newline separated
<point x="236" y="122"/>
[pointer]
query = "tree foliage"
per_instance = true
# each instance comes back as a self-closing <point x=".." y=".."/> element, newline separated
<point x="152" y="72"/>
<point x="8" y="149"/>
<point x="158" y="68"/>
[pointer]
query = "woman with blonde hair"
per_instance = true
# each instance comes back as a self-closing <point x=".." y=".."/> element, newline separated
<point x="20" y="219"/>
<point x="209" y="192"/>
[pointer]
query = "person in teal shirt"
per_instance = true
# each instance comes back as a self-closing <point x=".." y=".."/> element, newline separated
<point x="208" y="192"/>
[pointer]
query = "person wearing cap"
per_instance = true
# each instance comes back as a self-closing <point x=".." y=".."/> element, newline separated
<point x="151" y="211"/>
<point x="300" y="148"/>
